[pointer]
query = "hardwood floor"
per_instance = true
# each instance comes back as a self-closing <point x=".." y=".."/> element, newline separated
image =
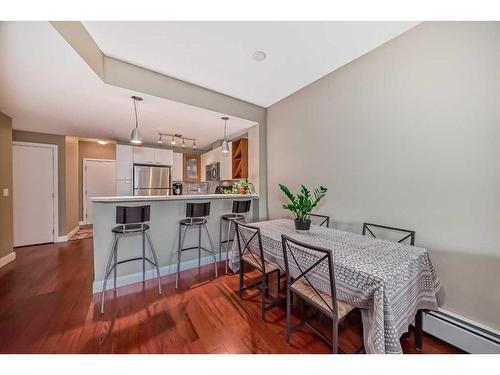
<point x="47" y="306"/>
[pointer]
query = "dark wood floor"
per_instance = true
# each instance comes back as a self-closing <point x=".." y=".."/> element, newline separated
<point x="46" y="306"/>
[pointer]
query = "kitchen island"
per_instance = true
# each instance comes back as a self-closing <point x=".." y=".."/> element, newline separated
<point x="166" y="211"/>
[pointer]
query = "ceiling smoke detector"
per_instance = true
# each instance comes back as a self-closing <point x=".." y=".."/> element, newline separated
<point x="259" y="55"/>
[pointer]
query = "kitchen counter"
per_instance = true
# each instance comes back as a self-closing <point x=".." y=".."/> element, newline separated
<point x="172" y="197"/>
<point x="166" y="211"/>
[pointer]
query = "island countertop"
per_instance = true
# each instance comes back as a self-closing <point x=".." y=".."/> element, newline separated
<point x="141" y="198"/>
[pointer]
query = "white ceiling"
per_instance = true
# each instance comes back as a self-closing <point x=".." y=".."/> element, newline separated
<point x="46" y="87"/>
<point x="218" y="55"/>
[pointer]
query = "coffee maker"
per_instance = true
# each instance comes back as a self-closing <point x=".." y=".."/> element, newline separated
<point x="177" y="188"/>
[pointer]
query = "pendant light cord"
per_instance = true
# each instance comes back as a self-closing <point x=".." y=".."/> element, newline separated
<point x="225" y="124"/>
<point x="135" y="110"/>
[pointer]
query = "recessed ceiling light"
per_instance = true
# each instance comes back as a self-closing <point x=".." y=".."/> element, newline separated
<point x="259" y="55"/>
<point x="102" y="142"/>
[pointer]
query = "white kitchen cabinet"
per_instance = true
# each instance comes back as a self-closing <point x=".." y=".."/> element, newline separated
<point x="149" y="155"/>
<point x="144" y="155"/>
<point x="124" y="162"/>
<point x="177" y="167"/>
<point x="124" y="188"/>
<point x="165" y="157"/>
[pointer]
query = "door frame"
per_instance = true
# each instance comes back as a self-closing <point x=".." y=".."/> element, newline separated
<point x="84" y="184"/>
<point x="55" y="190"/>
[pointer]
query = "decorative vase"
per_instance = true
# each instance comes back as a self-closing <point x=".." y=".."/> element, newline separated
<point x="302" y="226"/>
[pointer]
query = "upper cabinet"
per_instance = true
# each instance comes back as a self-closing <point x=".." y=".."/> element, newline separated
<point x="240" y="158"/>
<point x="124" y="162"/>
<point x="148" y="155"/>
<point x="177" y="167"/>
<point x="165" y="157"/>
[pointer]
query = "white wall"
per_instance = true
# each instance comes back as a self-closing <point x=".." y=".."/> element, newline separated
<point x="408" y="135"/>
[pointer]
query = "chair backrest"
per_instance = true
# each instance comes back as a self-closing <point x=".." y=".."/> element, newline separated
<point x="302" y="260"/>
<point x="321" y="220"/>
<point x="250" y="243"/>
<point x="407" y="234"/>
<point x="241" y="207"/>
<point x="132" y="215"/>
<point x="198" y="209"/>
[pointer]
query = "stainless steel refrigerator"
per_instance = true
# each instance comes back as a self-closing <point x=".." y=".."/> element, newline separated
<point x="152" y="180"/>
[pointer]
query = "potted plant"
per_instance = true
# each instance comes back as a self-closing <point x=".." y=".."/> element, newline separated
<point x="302" y="204"/>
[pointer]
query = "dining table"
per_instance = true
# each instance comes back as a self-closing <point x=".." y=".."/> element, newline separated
<point x="390" y="282"/>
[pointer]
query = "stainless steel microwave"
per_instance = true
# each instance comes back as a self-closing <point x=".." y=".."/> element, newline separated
<point x="212" y="172"/>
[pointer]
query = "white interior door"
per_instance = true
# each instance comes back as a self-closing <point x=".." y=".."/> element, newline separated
<point x="99" y="181"/>
<point x="33" y="194"/>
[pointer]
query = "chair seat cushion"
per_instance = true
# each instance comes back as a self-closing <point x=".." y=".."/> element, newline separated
<point x="232" y="217"/>
<point x="129" y="228"/>
<point x="194" y="221"/>
<point x="308" y="293"/>
<point x="255" y="262"/>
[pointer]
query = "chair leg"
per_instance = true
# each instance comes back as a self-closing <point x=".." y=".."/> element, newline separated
<point x="220" y="239"/>
<point x="108" y="265"/>
<point x="335" y="336"/>
<point x="241" y="277"/>
<point x="143" y="257"/>
<point x="211" y="247"/>
<point x="199" y="246"/>
<point x="264" y="295"/>
<point x="182" y="237"/>
<point x="155" y="258"/>
<point x="227" y="242"/>
<point x="419" y="335"/>
<point x="115" y="250"/>
<point x="288" y="314"/>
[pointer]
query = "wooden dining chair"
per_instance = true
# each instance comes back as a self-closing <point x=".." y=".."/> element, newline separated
<point x="301" y="260"/>
<point x="408" y="234"/>
<point x="251" y="253"/>
<point x="321" y="220"/>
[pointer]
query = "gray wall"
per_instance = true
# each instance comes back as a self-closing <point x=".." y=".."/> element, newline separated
<point x="408" y="135"/>
<point x="6" y="213"/>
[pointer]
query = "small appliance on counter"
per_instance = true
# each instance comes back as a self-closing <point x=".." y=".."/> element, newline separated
<point x="223" y="189"/>
<point x="177" y="188"/>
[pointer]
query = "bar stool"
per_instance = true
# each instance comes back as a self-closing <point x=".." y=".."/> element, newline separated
<point x="239" y="208"/>
<point x="196" y="216"/>
<point x="131" y="220"/>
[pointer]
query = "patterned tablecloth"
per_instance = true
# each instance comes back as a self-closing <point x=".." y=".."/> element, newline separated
<point x="389" y="281"/>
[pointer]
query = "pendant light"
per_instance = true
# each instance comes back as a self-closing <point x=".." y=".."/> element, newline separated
<point x="136" y="137"/>
<point x="194" y="144"/>
<point x="160" y="141"/>
<point x="225" y="144"/>
<point x="172" y="142"/>
<point x="183" y="143"/>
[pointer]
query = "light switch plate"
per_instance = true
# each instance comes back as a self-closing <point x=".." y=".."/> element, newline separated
<point x="5" y="192"/>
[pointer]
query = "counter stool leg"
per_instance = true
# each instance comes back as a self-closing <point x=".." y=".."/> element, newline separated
<point x="115" y="267"/>
<point x="143" y="257"/>
<point x="155" y="258"/>
<point x="179" y="251"/>
<point x="211" y="247"/>
<point x="227" y="242"/>
<point x="199" y="246"/>
<point x="108" y="265"/>
<point x="220" y="240"/>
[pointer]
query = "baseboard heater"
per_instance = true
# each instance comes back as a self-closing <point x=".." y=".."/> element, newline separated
<point x="462" y="333"/>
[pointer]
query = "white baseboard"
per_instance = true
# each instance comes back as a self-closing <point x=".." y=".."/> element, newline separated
<point x="461" y="332"/>
<point x="151" y="273"/>
<point x="82" y="223"/>
<point x="7" y="259"/>
<point x="67" y="236"/>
